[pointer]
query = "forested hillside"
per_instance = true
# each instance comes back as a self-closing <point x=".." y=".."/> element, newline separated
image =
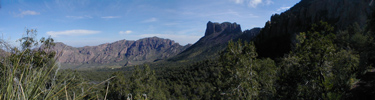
<point x="321" y="66"/>
<point x="323" y="59"/>
<point x="280" y="31"/>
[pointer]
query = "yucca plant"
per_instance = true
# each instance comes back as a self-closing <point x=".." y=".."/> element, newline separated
<point x="31" y="73"/>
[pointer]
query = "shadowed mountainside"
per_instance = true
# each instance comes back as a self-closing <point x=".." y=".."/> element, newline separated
<point x="278" y="34"/>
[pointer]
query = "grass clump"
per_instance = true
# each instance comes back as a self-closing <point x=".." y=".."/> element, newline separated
<point x="32" y="72"/>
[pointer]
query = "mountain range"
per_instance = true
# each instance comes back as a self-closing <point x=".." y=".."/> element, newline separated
<point x="127" y="53"/>
<point x="273" y="40"/>
<point x="119" y="53"/>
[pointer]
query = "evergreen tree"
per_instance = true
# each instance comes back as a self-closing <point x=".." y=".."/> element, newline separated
<point x="244" y="76"/>
<point x="141" y="84"/>
<point x="316" y="68"/>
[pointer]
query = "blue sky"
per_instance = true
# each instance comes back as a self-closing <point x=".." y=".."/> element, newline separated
<point x="92" y="22"/>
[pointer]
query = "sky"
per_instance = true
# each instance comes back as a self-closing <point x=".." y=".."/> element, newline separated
<point x="81" y="23"/>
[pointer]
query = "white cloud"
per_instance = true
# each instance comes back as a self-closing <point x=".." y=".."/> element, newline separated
<point x="182" y="39"/>
<point x="238" y="1"/>
<point x="150" y="20"/>
<point x="110" y="17"/>
<point x="268" y="2"/>
<point x="79" y="17"/>
<point x="253" y="3"/>
<point x="71" y="33"/>
<point x="125" y="32"/>
<point x="282" y="9"/>
<point x="26" y="12"/>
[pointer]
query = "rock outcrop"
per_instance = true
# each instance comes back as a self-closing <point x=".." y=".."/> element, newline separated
<point x="226" y="27"/>
<point x="218" y="33"/>
<point x="215" y="40"/>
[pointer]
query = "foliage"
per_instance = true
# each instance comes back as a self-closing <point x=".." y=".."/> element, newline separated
<point x="216" y="79"/>
<point x="196" y="81"/>
<point x="321" y="65"/>
<point x="361" y="41"/>
<point x="317" y="68"/>
<point x="142" y="84"/>
<point x="245" y="76"/>
<point x="32" y="72"/>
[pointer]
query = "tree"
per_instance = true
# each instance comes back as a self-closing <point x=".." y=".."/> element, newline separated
<point x="142" y="84"/>
<point x="361" y="41"/>
<point x="29" y="55"/>
<point x="244" y="76"/>
<point x="117" y="88"/>
<point x="316" y="68"/>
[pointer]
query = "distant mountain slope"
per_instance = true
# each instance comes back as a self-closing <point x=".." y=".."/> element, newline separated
<point x="277" y="35"/>
<point x="119" y="53"/>
<point x="215" y="40"/>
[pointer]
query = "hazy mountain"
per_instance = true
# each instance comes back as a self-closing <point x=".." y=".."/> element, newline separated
<point x="119" y="53"/>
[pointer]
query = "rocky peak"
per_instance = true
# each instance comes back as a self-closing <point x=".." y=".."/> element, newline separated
<point x="225" y="27"/>
<point x="215" y="40"/>
<point x="157" y="40"/>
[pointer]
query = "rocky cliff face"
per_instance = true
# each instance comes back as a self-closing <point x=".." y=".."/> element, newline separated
<point x="250" y="35"/>
<point x="283" y="27"/>
<point x="121" y="52"/>
<point x="215" y="40"/>
<point x="226" y="27"/>
<point x="217" y="33"/>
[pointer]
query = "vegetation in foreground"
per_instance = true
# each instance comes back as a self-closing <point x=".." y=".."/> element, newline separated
<point x="323" y="64"/>
<point x="32" y="73"/>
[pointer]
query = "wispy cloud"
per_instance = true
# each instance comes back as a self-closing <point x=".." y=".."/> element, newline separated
<point x="252" y="3"/>
<point x="125" y="32"/>
<point x="110" y="17"/>
<point x="150" y="20"/>
<point x="79" y="17"/>
<point x="238" y="1"/>
<point x="282" y="9"/>
<point x="26" y="12"/>
<point x="71" y="33"/>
